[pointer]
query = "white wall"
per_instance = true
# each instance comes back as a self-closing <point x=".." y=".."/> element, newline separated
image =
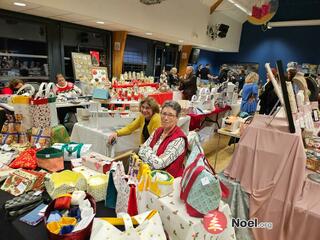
<point x="169" y="21"/>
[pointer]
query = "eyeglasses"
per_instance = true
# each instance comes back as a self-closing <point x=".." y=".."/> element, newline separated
<point x="168" y="114"/>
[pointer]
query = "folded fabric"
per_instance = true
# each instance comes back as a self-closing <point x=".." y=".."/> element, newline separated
<point x="54" y="227"/>
<point x="66" y="229"/>
<point x="62" y="203"/>
<point x="66" y="221"/>
<point x="26" y="159"/>
<point x="54" y="216"/>
<point x="75" y="212"/>
<point x="77" y="197"/>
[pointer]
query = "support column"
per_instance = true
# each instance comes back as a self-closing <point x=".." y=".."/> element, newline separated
<point x="118" y="43"/>
<point x="184" y="57"/>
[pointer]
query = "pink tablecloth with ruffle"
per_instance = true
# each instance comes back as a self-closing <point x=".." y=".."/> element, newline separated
<point x="269" y="163"/>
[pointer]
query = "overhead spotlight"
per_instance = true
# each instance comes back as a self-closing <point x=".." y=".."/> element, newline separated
<point x="223" y="30"/>
<point x="218" y="30"/>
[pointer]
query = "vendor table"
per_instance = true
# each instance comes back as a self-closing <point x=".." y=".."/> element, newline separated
<point x="17" y="230"/>
<point x="162" y="96"/>
<point x="178" y="224"/>
<point x="197" y="120"/>
<point x="270" y="164"/>
<point x="83" y="132"/>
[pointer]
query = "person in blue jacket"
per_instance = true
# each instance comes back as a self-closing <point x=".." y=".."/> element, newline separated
<point x="250" y="94"/>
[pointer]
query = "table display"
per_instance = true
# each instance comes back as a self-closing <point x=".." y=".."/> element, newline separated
<point x="270" y="164"/>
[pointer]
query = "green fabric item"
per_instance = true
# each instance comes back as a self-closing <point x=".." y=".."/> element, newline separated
<point x="59" y="135"/>
<point x="48" y="153"/>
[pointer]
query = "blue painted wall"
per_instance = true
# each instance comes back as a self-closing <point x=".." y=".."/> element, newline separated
<point x="300" y="44"/>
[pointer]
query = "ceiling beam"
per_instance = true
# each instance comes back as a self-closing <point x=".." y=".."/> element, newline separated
<point x="215" y="6"/>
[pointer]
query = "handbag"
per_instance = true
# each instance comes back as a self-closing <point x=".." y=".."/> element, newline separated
<point x="50" y="159"/>
<point x="9" y="133"/>
<point x="21" y="105"/>
<point x="73" y="150"/>
<point x="200" y="189"/>
<point x="40" y="108"/>
<point x="149" y="227"/>
<point x="161" y="183"/>
<point x="25" y="202"/>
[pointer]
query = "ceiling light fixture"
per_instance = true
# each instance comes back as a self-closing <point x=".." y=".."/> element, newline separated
<point x="180" y="41"/>
<point x="220" y="49"/>
<point x="151" y="2"/>
<point x="148" y="33"/>
<point x="19" y="4"/>
<point x="100" y="22"/>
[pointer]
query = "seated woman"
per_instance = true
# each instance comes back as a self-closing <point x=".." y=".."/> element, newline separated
<point x="166" y="147"/>
<point x="250" y="94"/>
<point x="65" y="87"/>
<point x="148" y="121"/>
<point x="13" y="86"/>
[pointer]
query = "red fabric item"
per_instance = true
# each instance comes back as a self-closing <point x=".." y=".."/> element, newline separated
<point x="62" y="203"/>
<point x="7" y="90"/>
<point x="256" y="12"/>
<point x="26" y="159"/>
<point x="176" y="167"/>
<point x="132" y="202"/>
<point x="67" y="88"/>
<point x="161" y="97"/>
<point x="265" y="9"/>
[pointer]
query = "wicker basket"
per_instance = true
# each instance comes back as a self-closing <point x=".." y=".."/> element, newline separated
<point x="78" y="235"/>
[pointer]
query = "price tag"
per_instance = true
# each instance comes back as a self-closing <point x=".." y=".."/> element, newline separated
<point x="205" y="181"/>
<point x="21" y="187"/>
<point x="38" y="145"/>
<point x="37" y="193"/>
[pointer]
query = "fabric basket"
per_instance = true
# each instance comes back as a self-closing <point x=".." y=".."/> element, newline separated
<point x="9" y="133"/>
<point x="40" y="137"/>
<point x="50" y="159"/>
<point x="83" y="234"/>
<point x="159" y="187"/>
<point x="59" y="134"/>
<point x="65" y="182"/>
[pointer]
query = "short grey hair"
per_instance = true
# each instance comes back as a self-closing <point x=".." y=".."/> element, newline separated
<point x="174" y="105"/>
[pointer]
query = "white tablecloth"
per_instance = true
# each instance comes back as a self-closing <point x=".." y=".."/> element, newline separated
<point x="176" y="221"/>
<point x="86" y="132"/>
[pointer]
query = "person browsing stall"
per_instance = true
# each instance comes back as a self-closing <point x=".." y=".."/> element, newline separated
<point x="250" y="94"/>
<point x="13" y="86"/>
<point x="63" y="86"/>
<point x="188" y="84"/>
<point x="147" y="121"/>
<point x="166" y="147"/>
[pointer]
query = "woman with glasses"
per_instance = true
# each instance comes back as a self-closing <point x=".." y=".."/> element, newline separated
<point x="148" y="121"/>
<point x="166" y="147"/>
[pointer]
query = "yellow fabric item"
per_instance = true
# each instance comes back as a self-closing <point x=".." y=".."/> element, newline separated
<point x="119" y="221"/>
<point x="19" y="99"/>
<point x="66" y="221"/>
<point x="155" y="185"/>
<point x="144" y="177"/>
<point x="65" y="177"/>
<point x="54" y="227"/>
<point x="154" y="123"/>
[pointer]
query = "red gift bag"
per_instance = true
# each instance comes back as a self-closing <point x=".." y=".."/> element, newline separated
<point x="132" y="201"/>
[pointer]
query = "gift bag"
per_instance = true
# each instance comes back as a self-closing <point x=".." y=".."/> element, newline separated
<point x="111" y="195"/>
<point x="40" y="137"/>
<point x="9" y="133"/>
<point x="21" y="105"/>
<point x="52" y="104"/>
<point x="40" y="108"/>
<point x="73" y="150"/>
<point x="59" y="134"/>
<point x="149" y="227"/>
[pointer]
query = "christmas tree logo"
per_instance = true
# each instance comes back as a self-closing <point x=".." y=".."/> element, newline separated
<point x="215" y="222"/>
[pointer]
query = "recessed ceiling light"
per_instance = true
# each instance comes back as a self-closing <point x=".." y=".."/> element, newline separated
<point x="220" y="49"/>
<point x="20" y="4"/>
<point x="100" y="22"/>
<point x="148" y="33"/>
<point x="180" y="41"/>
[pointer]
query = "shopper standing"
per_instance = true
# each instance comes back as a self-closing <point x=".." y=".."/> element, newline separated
<point x="250" y="94"/>
<point x="188" y="84"/>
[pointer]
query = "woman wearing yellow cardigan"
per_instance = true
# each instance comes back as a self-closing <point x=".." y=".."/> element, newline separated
<point x="148" y="121"/>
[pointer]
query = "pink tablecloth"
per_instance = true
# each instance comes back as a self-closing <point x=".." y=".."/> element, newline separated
<point x="270" y="164"/>
<point x="197" y="119"/>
